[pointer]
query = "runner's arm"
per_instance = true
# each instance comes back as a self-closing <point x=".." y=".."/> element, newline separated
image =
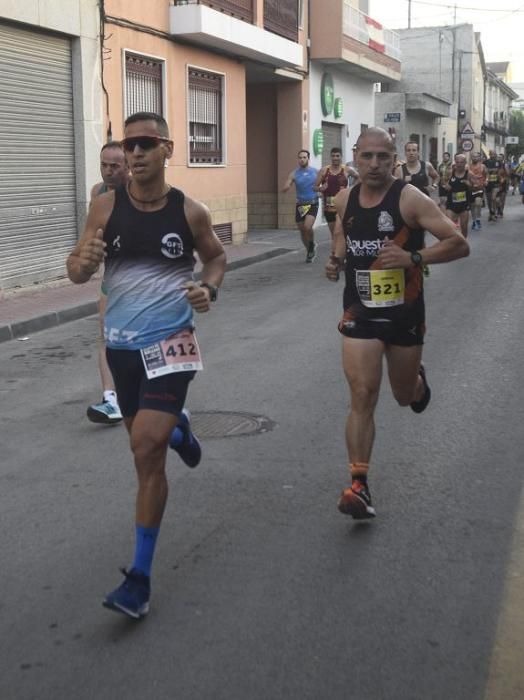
<point x="351" y="172"/>
<point x="320" y="180"/>
<point x="94" y="192"/>
<point x="210" y="251"/>
<point x="433" y="174"/>
<point x="289" y="182"/>
<point x="418" y="212"/>
<point x="89" y="252"/>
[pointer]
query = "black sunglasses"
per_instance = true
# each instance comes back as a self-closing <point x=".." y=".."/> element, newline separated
<point x="145" y="143"/>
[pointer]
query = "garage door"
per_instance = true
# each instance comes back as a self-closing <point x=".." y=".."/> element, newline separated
<point x="37" y="183"/>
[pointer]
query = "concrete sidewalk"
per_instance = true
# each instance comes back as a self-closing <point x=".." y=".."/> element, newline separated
<point x="31" y="309"/>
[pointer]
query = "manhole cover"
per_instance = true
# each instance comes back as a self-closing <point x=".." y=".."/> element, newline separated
<point x="219" y="424"/>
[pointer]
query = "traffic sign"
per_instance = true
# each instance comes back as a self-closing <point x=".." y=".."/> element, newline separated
<point x="467" y="145"/>
<point x="467" y="130"/>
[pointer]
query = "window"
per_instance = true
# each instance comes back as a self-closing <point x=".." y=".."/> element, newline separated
<point x="205" y="117"/>
<point x="143" y="84"/>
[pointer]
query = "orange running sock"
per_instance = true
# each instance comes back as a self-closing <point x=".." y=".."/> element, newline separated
<point x="359" y="471"/>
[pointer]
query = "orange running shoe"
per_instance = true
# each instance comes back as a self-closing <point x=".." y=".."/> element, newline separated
<point x="356" y="501"/>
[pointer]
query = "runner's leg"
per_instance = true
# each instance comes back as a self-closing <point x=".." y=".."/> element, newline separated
<point x="403" y="370"/>
<point x="304" y="233"/>
<point x="464" y="221"/>
<point x="105" y="373"/>
<point x="362" y="362"/>
<point x="149" y="435"/>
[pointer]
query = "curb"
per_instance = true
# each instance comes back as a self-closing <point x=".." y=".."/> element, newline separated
<point x="19" y="329"/>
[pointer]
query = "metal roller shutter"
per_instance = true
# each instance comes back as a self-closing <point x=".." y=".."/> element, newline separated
<point x="37" y="169"/>
<point x="332" y="138"/>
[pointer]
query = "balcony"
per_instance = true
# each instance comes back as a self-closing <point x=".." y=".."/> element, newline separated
<point x="499" y="126"/>
<point x="426" y="103"/>
<point x="281" y="17"/>
<point x="241" y="9"/>
<point x="227" y="26"/>
<point x="363" y="47"/>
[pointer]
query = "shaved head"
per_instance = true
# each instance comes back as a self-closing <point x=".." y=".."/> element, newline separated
<point x="377" y="133"/>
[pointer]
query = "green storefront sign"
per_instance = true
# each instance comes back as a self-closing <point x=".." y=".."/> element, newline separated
<point x="327" y="94"/>
<point x="318" y="142"/>
<point x="339" y="107"/>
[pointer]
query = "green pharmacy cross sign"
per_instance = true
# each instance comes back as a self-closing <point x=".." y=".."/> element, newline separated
<point x="327" y="94"/>
<point x="339" y="107"/>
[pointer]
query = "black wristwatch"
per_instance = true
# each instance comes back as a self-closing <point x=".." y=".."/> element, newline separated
<point x="416" y="259"/>
<point x="213" y="291"/>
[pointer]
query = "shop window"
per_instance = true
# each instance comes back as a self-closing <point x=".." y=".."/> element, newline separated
<point x="205" y="117"/>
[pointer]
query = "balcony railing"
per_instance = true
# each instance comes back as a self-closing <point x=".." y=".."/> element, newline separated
<point x="281" y="17"/>
<point x="241" y="9"/>
<point x="361" y="27"/>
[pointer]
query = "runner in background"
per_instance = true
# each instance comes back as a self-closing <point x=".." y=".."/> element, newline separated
<point x="306" y="210"/>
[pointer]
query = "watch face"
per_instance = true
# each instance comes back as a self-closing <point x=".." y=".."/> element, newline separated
<point x="416" y="258"/>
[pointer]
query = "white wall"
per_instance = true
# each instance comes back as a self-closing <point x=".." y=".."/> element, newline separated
<point x="359" y="106"/>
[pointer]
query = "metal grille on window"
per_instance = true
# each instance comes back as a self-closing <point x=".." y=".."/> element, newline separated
<point x="205" y="117"/>
<point x="143" y="85"/>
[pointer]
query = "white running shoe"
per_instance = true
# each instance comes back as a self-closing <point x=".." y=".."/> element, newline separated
<point x="105" y="412"/>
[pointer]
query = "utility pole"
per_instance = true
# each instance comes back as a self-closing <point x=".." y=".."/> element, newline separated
<point x="455" y="15"/>
<point x="409" y="14"/>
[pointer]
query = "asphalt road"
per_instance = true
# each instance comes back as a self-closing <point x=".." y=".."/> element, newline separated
<point x="262" y="590"/>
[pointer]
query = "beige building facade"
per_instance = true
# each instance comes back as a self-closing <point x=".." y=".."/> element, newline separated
<point x="240" y="83"/>
<point x="228" y="76"/>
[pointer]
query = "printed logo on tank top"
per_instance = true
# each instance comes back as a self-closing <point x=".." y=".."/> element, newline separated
<point x="359" y="247"/>
<point x="385" y="222"/>
<point x="172" y="246"/>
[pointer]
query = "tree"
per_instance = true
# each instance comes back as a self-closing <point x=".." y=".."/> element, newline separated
<point x="516" y="128"/>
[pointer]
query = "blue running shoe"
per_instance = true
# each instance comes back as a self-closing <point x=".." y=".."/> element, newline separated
<point x="132" y="596"/>
<point x="184" y="442"/>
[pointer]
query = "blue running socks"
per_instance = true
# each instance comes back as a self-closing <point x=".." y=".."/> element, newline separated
<point x="177" y="437"/>
<point x="145" y="548"/>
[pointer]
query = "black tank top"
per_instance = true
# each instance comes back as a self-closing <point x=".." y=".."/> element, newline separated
<point x="458" y="185"/>
<point x="365" y="230"/>
<point x="163" y="234"/>
<point x="419" y="180"/>
<point x="149" y="262"/>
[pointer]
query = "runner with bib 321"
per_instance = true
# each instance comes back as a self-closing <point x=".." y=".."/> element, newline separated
<point x="378" y="244"/>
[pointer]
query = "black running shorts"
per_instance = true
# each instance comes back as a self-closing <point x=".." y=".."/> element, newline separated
<point x="305" y="209"/>
<point x="388" y="332"/>
<point x="135" y="391"/>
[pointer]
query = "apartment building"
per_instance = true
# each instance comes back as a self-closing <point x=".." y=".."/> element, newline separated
<point x="440" y="97"/>
<point x="243" y="84"/>
<point x="497" y="110"/>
